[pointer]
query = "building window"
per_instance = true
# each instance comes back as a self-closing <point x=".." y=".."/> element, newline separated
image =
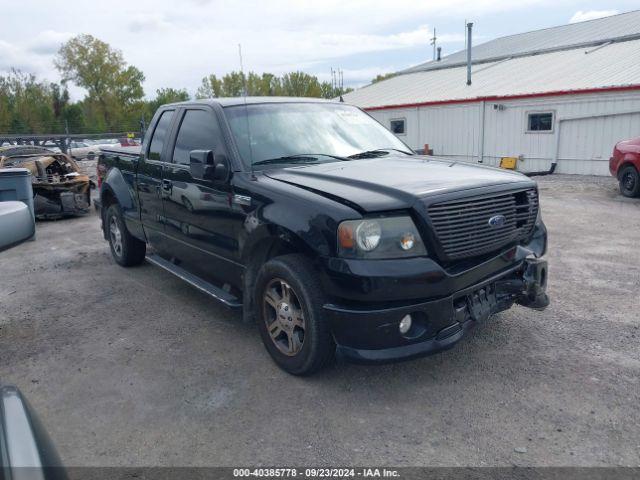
<point x="398" y="126"/>
<point x="540" y="122"/>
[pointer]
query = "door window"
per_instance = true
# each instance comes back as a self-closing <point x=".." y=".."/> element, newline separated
<point x="159" y="135"/>
<point x="199" y="130"/>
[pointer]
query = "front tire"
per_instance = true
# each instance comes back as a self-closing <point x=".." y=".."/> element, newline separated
<point x="289" y="300"/>
<point x="629" y="182"/>
<point x="126" y="249"/>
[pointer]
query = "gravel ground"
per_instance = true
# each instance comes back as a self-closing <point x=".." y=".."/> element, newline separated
<point x="131" y="367"/>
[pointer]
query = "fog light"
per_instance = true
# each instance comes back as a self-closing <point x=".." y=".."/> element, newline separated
<point x="405" y="324"/>
<point x="407" y="241"/>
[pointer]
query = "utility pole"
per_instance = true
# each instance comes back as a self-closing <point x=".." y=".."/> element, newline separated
<point x="142" y="126"/>
<point x="68" y="142"/>
<point x="465" y="33"/>
<point x="333" y="82"/>
<point x="433" y="42"/>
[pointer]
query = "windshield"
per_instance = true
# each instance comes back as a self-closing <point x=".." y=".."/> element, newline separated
<point x="284" y="132"/>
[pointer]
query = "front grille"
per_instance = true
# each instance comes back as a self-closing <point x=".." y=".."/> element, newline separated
<point x="462" y="226"/>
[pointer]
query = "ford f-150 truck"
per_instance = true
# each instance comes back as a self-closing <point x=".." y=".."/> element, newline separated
<point x="624" y="164"/>
<point x="324" y="227"/>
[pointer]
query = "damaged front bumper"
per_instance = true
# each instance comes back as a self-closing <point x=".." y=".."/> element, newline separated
<point x="373" y="335"/>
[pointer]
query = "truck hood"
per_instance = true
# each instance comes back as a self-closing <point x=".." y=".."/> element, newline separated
<point x="394" y="181"/>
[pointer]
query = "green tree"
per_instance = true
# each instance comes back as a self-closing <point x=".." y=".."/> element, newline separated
<point x="73" y="117"/>
<point x="294" y="84"/>
<point x="26" y="105"/>
<point x="164" y="96"/>
<point x="113" y="87"/>
<point x="300" y="84"/>
<point x="385" y="76"/>
<point x="210" y="87"/>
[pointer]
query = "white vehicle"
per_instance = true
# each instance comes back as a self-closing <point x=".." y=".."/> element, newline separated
<point x="197" y="197"/>
<point x="81" y="150"/>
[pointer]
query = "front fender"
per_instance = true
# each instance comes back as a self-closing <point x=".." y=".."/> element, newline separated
<point x="629" y="159"/>
<point x="308" y="232"/>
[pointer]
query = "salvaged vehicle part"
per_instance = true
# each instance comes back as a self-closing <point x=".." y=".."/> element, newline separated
<point x="16" y="224"/>
<point x="59" y="186"/>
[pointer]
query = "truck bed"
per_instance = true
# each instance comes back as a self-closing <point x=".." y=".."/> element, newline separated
<point x="117" y="150"/>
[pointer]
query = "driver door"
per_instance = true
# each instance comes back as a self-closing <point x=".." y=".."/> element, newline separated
<point x="200" y="221"/>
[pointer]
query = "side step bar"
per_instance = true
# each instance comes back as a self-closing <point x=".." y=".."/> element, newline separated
<point x="216" y="292"/>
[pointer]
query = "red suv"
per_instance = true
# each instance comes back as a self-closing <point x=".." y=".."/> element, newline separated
<point x="625" y="166"/>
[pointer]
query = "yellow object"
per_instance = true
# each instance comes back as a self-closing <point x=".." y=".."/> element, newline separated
<point x="508" y="162"/>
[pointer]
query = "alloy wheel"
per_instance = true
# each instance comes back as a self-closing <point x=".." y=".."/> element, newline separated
<point x="116" y="236"/>
<point x="284" y="317"/>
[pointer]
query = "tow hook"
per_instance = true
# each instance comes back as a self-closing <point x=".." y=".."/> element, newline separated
<point x="534" y="283"/>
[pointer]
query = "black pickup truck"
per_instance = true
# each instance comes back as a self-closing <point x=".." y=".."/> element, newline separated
<point x="324" y="227"/>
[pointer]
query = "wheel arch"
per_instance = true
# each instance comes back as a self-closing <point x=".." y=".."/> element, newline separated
<point x="116" y="189"/>
<point x="628" y="161"/>
<point x="267" y="243"/>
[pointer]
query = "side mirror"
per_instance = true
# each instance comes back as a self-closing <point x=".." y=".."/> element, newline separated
<point x="221" y="168"/>
<point x="200" y="161"/>
<point x="205" y="165"/>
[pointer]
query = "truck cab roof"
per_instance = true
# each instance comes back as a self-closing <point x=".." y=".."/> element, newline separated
<point x="234" y="101"/>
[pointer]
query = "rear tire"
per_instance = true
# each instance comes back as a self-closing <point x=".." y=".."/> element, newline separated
<point x="289" y="301"/>
<point x="126" y="249"/>
<point x="629" y="182"/>
<point x="187" y="203"/>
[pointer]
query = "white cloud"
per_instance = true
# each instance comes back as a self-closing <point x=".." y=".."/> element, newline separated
<point x="149" y="22"/>
<point x="14" y="57"/>
<point x="48" y="42"/>
<point x="176" y="44"/>
<point x="582" y="16"/>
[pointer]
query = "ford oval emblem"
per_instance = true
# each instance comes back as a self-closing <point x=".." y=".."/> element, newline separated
<point x="497" y="221"/>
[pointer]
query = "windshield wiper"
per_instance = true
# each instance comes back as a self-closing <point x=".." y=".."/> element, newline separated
<point x="378" y="152"/>
<point x="288" y="159"/>
<point x="298" y="158"/>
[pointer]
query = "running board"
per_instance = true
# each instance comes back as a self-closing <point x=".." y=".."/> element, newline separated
<point x="216" y="292"/>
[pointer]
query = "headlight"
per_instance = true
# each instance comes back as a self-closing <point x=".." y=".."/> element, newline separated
<point x="385" y="237"/>
<point x="368" y="234"/>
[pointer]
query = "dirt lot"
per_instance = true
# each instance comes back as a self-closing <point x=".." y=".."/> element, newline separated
<point x="133" y="367"/>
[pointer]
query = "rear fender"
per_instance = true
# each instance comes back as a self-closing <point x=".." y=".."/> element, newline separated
<point x="121" y="186"/>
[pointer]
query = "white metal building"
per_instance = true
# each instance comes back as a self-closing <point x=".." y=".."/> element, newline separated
<point x="566" y="93"/>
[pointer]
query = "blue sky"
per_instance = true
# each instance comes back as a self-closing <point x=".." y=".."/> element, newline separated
<point x="176" y="44"/>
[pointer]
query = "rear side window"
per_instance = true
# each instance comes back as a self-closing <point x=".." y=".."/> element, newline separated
<point x="159" y="135"/>
<point x="199" y="130"/>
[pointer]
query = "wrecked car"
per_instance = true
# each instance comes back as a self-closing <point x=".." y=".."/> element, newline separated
<point x="60" y="188"/>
